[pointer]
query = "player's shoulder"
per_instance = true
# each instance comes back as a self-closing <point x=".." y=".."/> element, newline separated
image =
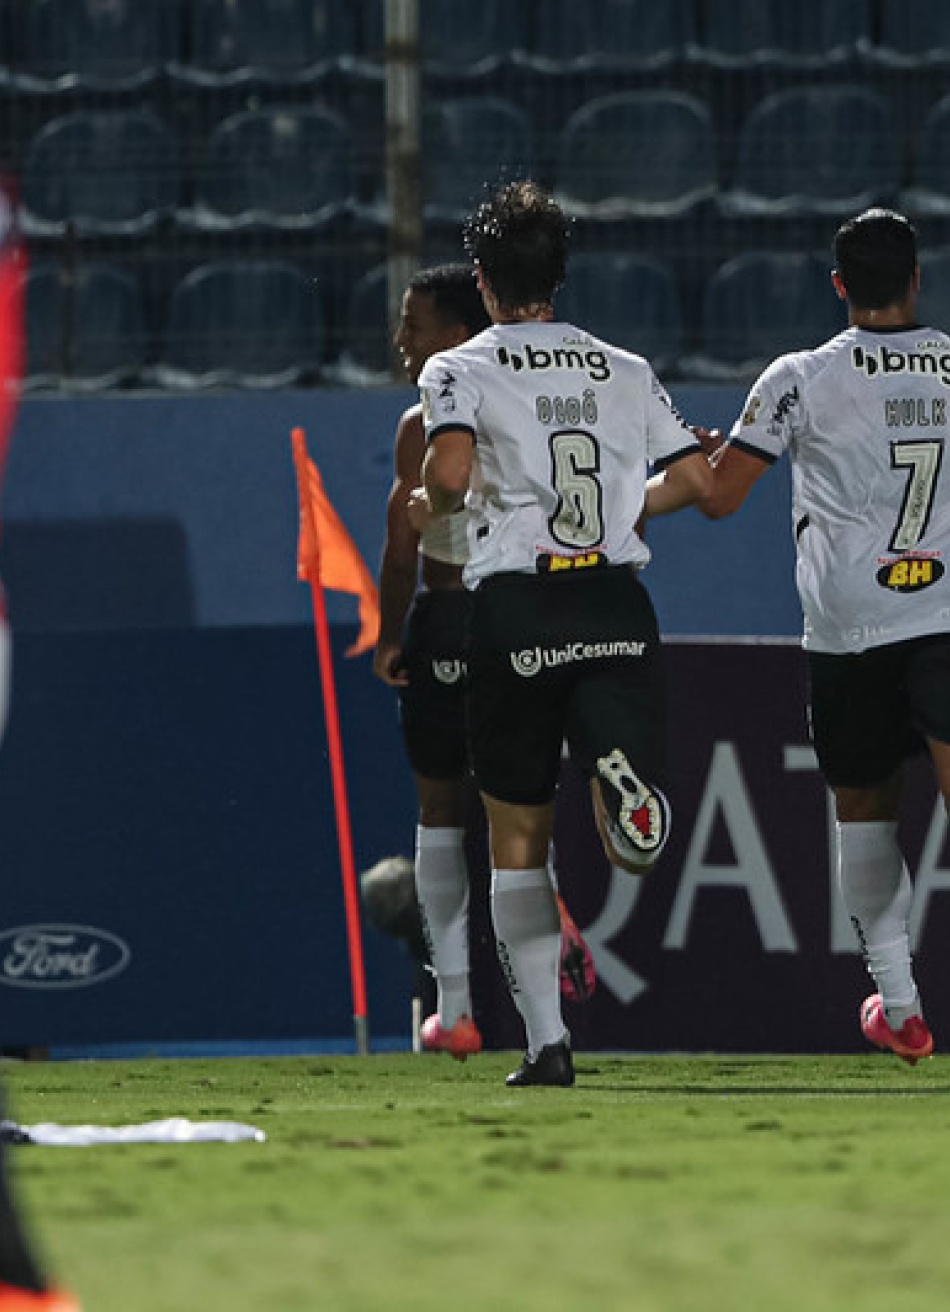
<point x="409" y="442"/>
<point x="916" y="337"/>
<point x="805" y="365"/>
<point x="835" y="360"/>
<point x="930" y="334"/>
<point x="410" y="421"/>
<point x="621" y="356"/>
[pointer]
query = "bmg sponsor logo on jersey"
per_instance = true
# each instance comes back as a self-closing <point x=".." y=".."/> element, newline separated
<point x="60" y="956"/>
<point x="885" y="360"/>
<point x="910" y="573"/>
<point x="592" y="361"/>
<point x="532" y="660"/>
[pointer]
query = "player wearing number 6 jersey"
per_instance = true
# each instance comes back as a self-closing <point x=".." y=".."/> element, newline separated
<point x="421" y="652"/>
<point x="864" y="420"/>
<point x="547" y="433"/>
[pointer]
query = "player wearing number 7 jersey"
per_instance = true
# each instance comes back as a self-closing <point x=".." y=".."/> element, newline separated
<point x="547" y="434"/>
<point x="864" y="420"/>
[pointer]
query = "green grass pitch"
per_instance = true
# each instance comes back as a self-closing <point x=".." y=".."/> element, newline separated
<point x="657" y="1184"/>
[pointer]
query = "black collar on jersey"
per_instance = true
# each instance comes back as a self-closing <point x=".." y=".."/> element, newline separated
<point x="897" y="328"/>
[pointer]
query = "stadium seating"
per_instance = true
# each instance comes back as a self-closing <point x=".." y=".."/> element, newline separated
<point x="277" y="42"/>
<point x="61" y="45"/>
<point x="760" y="305"/>
<point x="86" y="331"/>
<point x="469" y="143"/>
<point x="823" y="150"/>
<point x="459" y="41"/>
<point x="911" y="36"/>
<point x="629" y="300"/>
<point x="933" y="306"/>
<point x="167" y="133"/>
<point x="255" y="323"/>
<point x="928" y="192"/>
<point x="636" y="153"/>
<point x="611" y="35"/>
<point x="741" y="34"/>
<point x="281" y="167"/>
<point x="101" y="172"/>
<point x="366" y="355"/>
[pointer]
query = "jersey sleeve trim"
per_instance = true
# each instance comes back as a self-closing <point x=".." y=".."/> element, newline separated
<point x="751" y="450"/>
<point x="664" y="462"/>
<point x="450" y="428"/>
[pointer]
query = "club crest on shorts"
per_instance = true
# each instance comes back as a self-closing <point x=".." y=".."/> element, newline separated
<point x="448" y="671"/>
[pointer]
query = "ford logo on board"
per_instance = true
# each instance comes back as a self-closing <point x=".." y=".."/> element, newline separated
<point x="60" y="956"/>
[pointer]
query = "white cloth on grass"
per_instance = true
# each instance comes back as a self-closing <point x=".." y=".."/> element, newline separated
<point x="176" y="1129"/>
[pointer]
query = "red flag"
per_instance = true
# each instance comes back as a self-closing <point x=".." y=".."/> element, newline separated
<point x="326" y="554"/>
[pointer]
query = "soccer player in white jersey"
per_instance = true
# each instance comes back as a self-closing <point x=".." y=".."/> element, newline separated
<point x="864" y="420"/>
<point x="421" y="653"/>
<point x="546" y="434"/>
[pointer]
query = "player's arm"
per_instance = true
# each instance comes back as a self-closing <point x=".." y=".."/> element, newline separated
<point x="398" y="575"/>
<point x="684" y="482"/>
<point x="772" y="414"/>
<point x="447" y="470"/>
<point x="711" y="440"/>
<point x="682" y="476"/>
<point x="735" y="472"/>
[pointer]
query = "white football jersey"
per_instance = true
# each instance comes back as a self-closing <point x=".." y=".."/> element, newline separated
<point x="565" y="426"/>
<point x="446" y="539"/>
<point x="864" y="419"/>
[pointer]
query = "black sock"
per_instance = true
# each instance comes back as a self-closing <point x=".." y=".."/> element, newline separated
<point x="17" y="1264"/>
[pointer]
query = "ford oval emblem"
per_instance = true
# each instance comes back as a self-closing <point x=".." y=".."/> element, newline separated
<point x="60" y="956"/>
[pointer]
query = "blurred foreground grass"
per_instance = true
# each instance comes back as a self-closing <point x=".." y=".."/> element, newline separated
<point x="657" y="1184"/>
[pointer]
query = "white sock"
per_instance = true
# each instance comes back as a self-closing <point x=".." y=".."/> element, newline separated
<point x="528" y="934"/>
<point x="442" y="889"/>
<point x="877" y="893"/>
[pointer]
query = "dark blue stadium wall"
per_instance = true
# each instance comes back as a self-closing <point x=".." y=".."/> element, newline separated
<point x="171" y="873"/>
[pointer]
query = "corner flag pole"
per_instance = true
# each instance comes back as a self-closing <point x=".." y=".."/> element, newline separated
<point x="335" y="745"/>
<point x="343" y="825"/>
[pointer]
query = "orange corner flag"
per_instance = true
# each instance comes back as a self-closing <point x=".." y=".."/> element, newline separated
<point x="326" y="554"/>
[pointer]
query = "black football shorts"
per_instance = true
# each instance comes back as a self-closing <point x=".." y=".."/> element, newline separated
<point x="554" y="658"/>
<point x="432" y="706"/>
<point x="871" y="710"/>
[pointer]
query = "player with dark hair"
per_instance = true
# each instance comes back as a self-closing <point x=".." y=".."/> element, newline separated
<point x="421" y="652"/>
<point x="23" y="1286"/>
<point x="864" y="419"/>
<point x="545" y="434"/>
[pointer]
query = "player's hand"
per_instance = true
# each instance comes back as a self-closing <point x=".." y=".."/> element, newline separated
<point x="710" y="440"/>
<point x="388" y="665"/>
<point x="419" y="509"/>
